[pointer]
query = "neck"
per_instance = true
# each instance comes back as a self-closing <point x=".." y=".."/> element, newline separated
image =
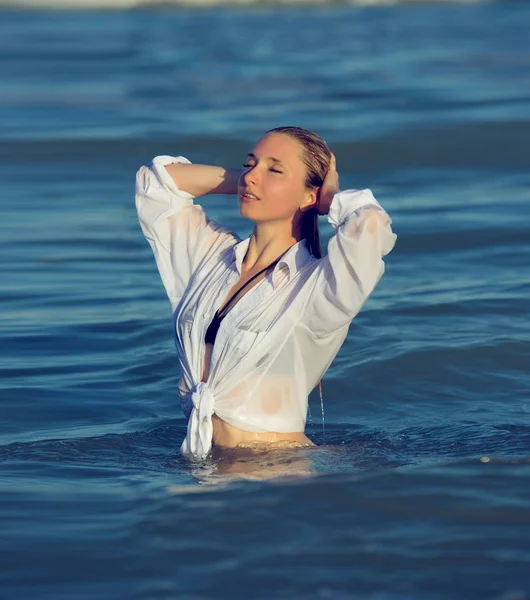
<point x="268" y="242"/>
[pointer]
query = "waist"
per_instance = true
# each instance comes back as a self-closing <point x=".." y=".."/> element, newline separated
<point x="228" y="436"/>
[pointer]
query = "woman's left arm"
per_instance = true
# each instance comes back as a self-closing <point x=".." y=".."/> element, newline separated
<point x="354" y="262"/>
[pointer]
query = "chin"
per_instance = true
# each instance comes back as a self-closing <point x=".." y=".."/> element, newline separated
<point x="247" y="218"/>
<point x="245" y="207"/>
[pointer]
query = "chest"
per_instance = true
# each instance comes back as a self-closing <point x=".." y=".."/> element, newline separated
<point x="241" y="287"/>
<point x="266" y="308"/>
<point x="228" y="291"/>
<point x="233" y="296"/>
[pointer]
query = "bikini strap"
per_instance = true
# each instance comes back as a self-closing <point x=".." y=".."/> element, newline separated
<point x="245" y="284"/>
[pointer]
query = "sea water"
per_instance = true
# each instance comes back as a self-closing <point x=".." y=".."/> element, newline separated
<point x="421" y="488"/>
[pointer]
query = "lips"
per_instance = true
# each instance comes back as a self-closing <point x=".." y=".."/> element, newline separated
<point x="247" y="196"/>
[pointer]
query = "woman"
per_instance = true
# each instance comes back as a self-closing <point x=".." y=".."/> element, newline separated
<point x="258" y="321"/>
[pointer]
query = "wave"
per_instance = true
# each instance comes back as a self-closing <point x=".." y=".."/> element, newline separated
<point x="131" y="4"/>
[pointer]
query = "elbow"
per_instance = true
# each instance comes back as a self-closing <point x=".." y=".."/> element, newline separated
<point x="377" y="225"/>
<point x="142" y="180"/>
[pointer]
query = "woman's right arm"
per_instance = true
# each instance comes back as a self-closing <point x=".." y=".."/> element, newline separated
<point x="200" y="180"/>
<point x="179" y="232"/>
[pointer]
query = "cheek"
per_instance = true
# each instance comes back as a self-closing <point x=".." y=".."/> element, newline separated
<point x="285" y="195"/>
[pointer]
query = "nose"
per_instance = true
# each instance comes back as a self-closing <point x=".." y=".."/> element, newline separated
<point x="250" y="176"/>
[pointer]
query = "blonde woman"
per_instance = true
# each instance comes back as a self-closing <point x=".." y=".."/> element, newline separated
<point x="258" y="321"/>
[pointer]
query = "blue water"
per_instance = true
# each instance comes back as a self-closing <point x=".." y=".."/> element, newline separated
<point x="419" y="486"/>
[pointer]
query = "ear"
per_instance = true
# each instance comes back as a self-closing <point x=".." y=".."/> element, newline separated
<point x="310" y="200"/>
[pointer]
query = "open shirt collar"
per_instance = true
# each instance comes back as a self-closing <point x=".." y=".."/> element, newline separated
<point x="291" y="261"/>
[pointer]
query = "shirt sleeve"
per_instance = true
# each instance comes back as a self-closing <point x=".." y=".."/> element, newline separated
<point x="178" y="231"/>
<point x="354" y="262"/>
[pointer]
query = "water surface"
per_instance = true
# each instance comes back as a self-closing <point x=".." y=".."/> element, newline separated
<point x="418" y="488"/>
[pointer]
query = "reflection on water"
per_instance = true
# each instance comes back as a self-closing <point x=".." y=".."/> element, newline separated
<point x="253" y="463"/>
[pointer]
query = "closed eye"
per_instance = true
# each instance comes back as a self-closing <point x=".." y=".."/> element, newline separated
<point x="247" y="166"/>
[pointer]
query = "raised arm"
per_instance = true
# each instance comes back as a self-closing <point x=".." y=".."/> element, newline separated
<point x="354" y="262"/>
<point x="200" y="180"/>
<point x="179" y="232"/>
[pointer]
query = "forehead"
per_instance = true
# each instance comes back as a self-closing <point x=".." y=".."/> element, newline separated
<point x="279" y="146"/>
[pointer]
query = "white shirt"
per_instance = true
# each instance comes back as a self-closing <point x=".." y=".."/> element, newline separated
<point x="278" y="340"/>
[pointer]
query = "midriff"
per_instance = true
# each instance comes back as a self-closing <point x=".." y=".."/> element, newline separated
<point x="228" y="436"/>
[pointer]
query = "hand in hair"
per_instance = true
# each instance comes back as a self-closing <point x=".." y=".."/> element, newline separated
<point x="329" y="188"/>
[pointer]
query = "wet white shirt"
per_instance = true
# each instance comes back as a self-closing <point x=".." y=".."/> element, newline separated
<point x="278" y="340"/>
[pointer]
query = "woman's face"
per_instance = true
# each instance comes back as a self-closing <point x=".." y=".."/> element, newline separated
<point x="272" y="186"/>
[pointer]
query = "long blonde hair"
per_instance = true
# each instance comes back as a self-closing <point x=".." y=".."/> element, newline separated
<point x="317" y="157"/>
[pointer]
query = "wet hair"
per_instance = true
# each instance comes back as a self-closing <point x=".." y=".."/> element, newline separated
<point x="317" y="157"/>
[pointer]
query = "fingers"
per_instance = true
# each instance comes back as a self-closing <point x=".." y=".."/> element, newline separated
<point x="332" y="163"/>
<point x="330" y="186"/>
<point x="332" y="177"/>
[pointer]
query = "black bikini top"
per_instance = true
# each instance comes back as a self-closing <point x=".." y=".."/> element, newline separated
<point x="213" y="328"/>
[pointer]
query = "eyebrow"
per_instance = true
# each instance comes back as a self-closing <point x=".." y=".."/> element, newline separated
<point x="252" y="155"/>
